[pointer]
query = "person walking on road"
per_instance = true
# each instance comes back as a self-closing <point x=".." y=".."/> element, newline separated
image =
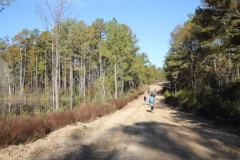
<point x="151" y="102"/>
<point x="145" y="100"/>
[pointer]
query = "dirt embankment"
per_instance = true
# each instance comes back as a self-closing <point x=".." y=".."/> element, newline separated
<point x="134" y="133"/>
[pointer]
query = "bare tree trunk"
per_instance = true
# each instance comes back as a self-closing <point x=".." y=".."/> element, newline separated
<point x="37" y="72"/>
<point x="230" y="68"/>
<point x="81" y="77"/>
<point x="84" y="80"/>
<point x="215" y="63"/>
<point x="45" y="73"/>
<point x="89" y="83"/>
<point x="175" y="88"/>
<point x="102" y="76"/>
<point x="238" y="73"/>
<point x="55" y="12"/>
<point x="24" y="69"/>
<point x="31" y="85"/>
<point x="9" y="89"/>
<point x="115" y="76"/>
<point x="56" y="80"/>
<point x="100" y="65"/>
<point x="122" y="78"/>
<point x="103" y="86"/>
<point x="71" y="81"/>
<point x="53" y="76"/>
<point x="9" y="82"/>
<point x="21" y="72"/>
<point x="193" y="74"/>
<point x="215" y="68"/>
<point x="59" y="74"/>
<point x="65" y="80"/>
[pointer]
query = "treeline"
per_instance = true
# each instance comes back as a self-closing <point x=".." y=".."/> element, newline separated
<point x="203" y="63"/>
<point x="73" y="63"/>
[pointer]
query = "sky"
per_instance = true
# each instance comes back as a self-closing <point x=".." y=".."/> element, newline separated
<point x="151" y="20"/>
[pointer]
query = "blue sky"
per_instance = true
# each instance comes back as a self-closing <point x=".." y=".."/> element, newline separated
<point x="151" y="20"/>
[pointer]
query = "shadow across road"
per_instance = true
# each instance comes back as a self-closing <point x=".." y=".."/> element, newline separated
<point x="187" y="137"/>
<point x="170" y="141"/>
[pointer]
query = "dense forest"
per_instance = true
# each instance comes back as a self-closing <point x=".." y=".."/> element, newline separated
<point x="203" y="62"/>
<point x="71" y="72"/>
<point x="94" y="67"/>
<point x="73" y="63"/>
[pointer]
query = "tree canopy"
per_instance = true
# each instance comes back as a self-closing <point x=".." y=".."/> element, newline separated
<point x="4" y="3"/>
<point x="95" y="61"/>
<point x="204" y="56"/>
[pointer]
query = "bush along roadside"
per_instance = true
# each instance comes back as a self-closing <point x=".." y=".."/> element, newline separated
<point x="18" y="130"/>
<point x="221" y="103"/>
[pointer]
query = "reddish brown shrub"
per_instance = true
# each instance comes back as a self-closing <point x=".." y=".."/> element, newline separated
<point x="22" y="129"/>
<point x="4" y="132"/>
<point x="119" y="103"/>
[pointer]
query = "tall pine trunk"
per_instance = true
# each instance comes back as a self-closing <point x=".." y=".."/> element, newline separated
<point x="56" y="78"/>
<point x="122" y="89"/>
<point x="65" y="80"/>
<point x="45" y="73"/>
<point x="71" y="81"/>
<point x="115" y="77"/>
<point x="21" y="74"/>
<point x="36" y="72"/>
<point x="215" y="63"/>
<point x="24" y="69"/>
<point x="84" y="80"/>
<point x="9" y="82"/>
<point x="53" y="75"/>
<point x="238" y="73"/>
<point x="193" y="74"/>
<point x="230" y="69"/>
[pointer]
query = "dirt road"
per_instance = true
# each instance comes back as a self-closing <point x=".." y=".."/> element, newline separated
<point x="134" y="133"/>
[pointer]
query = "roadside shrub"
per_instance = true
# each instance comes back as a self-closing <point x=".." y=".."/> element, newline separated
<point x="232" y="109"/>
<point x="188" y="100"/>
<point x="163" y="90"/>
<point x="167" y="93"/>
<point x="119" y="103"/>
<point x="23" y="129"/>
<point x="20" y="130"/>
<point x="221" y="102"/>
<point x="169" y="99"/>
<point x="172" y="101"/>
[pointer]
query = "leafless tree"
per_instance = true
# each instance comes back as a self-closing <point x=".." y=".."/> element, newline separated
<point x="53" y="12"/>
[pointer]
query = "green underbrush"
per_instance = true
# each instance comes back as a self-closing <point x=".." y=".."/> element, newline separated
<point x="223" y="102"/>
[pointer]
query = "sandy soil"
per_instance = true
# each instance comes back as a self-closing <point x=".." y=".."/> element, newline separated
<point x="134" y="133"/>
